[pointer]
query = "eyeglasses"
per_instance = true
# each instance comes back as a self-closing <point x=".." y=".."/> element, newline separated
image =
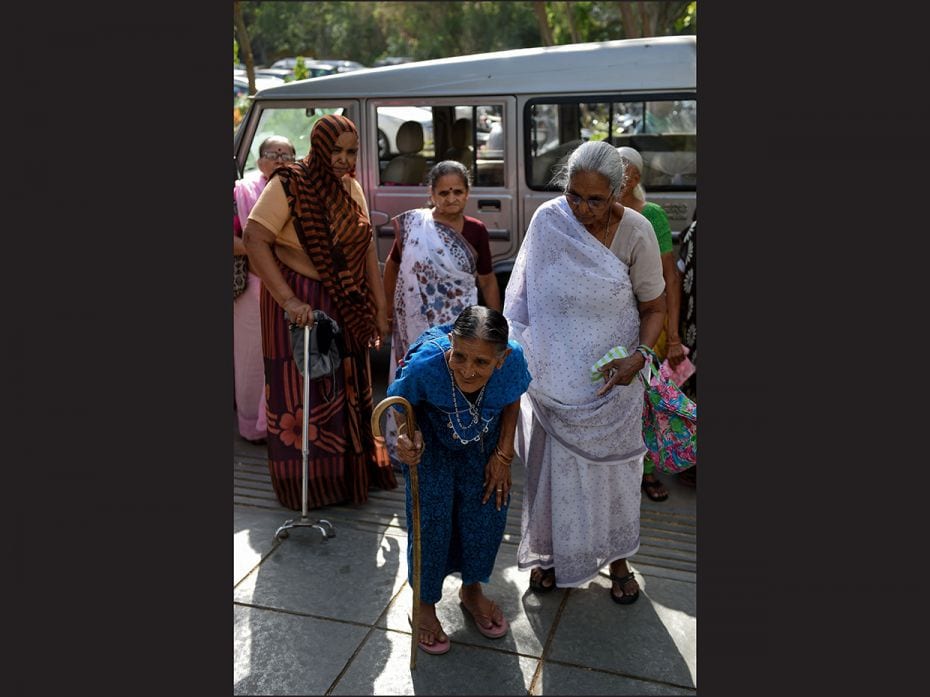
<point x="279" y="156"/>
<point x="594" y="204"/>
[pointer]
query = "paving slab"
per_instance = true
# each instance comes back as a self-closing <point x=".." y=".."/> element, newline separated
<point x="530" y="615"/>
<point x="277" y="653"/>
<point x="653" y="639"/>
<point x="350" y="577"/>
<point x="253" y="537"/>
<point x="556" y="679"/>
<point x="382" y="667"/>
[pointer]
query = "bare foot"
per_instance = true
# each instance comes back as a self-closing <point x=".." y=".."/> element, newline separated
<point x="430" y="630"/>
<point x="485" y="611"/>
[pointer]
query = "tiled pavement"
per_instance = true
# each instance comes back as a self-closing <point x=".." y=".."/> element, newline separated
<point x="315" y="617"/>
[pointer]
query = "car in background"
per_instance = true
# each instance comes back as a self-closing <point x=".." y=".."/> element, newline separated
<point x="392" y="60"/>
<point x="389" y="120"/>
<point x="241" y="84"/>
<point x="289" y="63"/>
<point x="341" y="66"/>
<point x="280" y="73"/>
<point x="241" y="92"/>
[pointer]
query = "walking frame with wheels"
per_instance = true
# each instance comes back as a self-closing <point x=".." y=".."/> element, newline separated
<point x="304" y="521"/>
<point x="411" y="427"/>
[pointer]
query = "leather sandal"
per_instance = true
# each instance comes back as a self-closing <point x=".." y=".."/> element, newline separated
<point x="650" y="489"/>
<point x="539" y="583"/>
<point x="623" y="599"/>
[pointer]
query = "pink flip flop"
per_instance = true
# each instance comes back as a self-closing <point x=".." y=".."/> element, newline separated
<point x="438" y="647"/>
<point x="492" y="632"/>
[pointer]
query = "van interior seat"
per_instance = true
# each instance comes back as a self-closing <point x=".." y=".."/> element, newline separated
<point x="461" y="150"/>
<point x="409" y="167"/>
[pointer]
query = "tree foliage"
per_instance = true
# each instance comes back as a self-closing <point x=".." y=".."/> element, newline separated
<point x="367" y="31"/>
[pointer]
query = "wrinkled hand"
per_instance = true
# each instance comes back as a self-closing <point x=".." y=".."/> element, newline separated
<point x="620" y="371"/>
<point x="299" y="312"/>
<point x="496" y="480"/>
<point x="409" y="451"/>
<point x="675" y="353"/>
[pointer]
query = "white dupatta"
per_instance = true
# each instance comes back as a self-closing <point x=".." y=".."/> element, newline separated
<point x="569" y="300"/>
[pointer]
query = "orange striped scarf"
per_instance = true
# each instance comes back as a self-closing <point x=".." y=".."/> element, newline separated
<point x="333" y="229"/>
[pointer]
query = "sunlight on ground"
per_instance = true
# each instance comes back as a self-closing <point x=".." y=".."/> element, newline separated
<point x="388" y="682"/>
<point x="245" y="554"/>
<point x="682" y="628"/>
<point x="242" y="650"/>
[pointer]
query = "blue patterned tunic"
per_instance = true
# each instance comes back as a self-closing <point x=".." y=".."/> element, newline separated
<point x="457" y="532"/>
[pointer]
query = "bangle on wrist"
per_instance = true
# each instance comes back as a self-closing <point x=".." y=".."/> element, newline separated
<point x="507" y="459"/>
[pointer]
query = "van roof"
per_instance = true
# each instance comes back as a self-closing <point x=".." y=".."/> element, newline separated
<point x="655" y="63"/>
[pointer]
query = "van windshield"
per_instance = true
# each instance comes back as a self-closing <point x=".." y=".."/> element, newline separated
<point x="290" y="122"/>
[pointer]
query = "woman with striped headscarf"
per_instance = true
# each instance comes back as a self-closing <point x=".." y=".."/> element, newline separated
<point x="310" y="240"/>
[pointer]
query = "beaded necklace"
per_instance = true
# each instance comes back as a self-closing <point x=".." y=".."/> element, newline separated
<point x="473" y="411"/>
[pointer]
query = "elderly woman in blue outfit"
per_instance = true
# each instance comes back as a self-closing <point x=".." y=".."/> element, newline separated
<point x="464" y="381"/>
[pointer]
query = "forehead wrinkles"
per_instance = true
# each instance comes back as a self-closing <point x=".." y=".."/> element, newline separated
<point x="588" y="184"/>
<point x="473" y="351"/>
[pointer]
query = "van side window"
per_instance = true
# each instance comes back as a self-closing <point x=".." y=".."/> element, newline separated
<point x="411" y="139"/>
<point x="663" y="131"/>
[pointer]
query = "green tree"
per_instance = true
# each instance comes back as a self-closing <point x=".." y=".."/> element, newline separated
<point x="367" y="31"/>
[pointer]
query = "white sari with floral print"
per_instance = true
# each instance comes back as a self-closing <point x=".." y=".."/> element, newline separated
<point x="435" y="282"/>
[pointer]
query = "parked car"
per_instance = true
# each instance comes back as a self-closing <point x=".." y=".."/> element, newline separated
<point x="392" y="60"/>
<point x="241" y="92"/>
<point x="289" y="63"/>
<point x="389" y="120"/>
<point x="341" y="66"/>
<point x="280" y="73"/>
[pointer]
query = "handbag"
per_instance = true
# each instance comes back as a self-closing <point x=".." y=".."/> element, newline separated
<point x="669" y="420"/>
<point x="326" y="348"/>
<point x="240" y="274"/>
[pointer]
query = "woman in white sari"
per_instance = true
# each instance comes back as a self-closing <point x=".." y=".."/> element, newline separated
<point x="588" y="277"/>
<point x="440" y="258"/>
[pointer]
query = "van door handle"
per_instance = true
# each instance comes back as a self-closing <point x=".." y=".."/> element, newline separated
<point x="487" y="205"/>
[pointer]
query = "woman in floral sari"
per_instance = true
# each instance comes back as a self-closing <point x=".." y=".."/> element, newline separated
<point x="440" y="258"/>
<point x="310" y="240"/>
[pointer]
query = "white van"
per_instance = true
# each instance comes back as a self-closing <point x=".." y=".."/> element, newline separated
<point x="510" y="116"/>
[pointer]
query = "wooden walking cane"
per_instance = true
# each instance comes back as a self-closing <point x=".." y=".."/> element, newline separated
<point x="411" y="427"/>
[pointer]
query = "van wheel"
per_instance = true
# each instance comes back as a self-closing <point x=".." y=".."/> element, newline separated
<point x="384" y="148"/>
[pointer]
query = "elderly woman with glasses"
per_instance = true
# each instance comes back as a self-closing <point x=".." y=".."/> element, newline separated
<point x="588" y="278"/>
<point x="310" y="239"/>
<point x="249" y="373"/>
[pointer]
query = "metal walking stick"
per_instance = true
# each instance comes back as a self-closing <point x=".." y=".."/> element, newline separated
<point x="411" y="427"/>
<point x="304" y="521"/>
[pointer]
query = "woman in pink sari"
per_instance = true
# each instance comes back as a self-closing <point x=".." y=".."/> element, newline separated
<point x="247" y="337"/>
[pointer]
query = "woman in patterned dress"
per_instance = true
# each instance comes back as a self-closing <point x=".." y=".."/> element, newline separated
<point x="310" y="240"/>
<point x="464" y="380"/>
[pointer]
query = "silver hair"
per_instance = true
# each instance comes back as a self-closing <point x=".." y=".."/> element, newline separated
<point x="484" y="323"/>
<point x="593" y="156"/>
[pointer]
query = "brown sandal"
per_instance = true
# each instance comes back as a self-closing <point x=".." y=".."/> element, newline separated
<point x="542" y="580"/>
